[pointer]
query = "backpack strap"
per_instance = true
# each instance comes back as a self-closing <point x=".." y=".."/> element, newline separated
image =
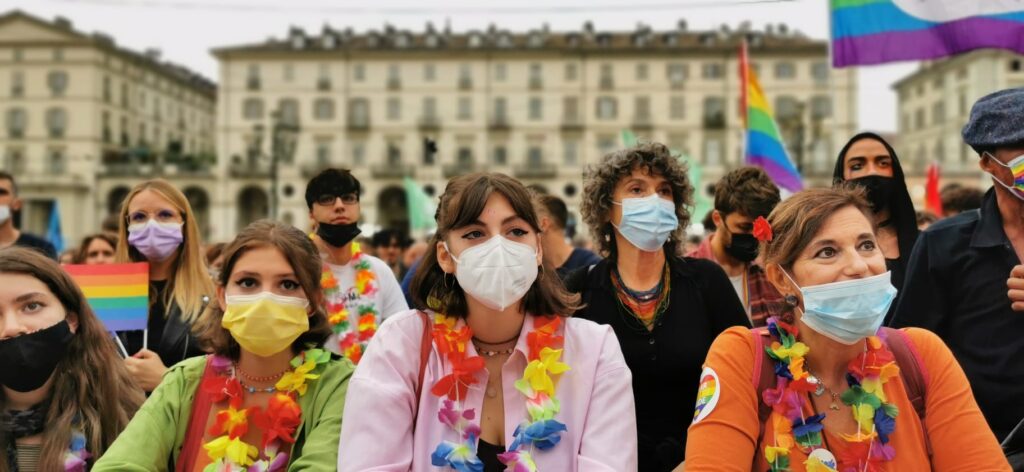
<point x="912" y="372"/>
<point x="426" y="345"/>
<point x="762" y="376"/>
<point x="202" y="403"/>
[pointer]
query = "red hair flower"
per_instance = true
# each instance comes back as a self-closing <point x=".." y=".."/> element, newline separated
<point x="762" y="230"/>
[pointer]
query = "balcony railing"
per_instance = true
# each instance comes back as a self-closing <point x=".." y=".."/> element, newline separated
<point x="542" y="170"/>
<point x="457" y="169"/>
<point x="429" y="123"/>
<point x="252" y="83"/>
<point x="572" y="123"/>
<point x="392" y="171"/>
<point x="250" y="169"/>
<point x="357" y="123"/>
<point x="643" y="123"/>
<point x="499" y="123"/>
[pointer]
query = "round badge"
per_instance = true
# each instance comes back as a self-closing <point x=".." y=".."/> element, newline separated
<point x="708" y="392"/>
<point x="823" y="456"/>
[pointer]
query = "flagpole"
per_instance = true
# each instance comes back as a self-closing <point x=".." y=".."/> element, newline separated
<point x="744" y="106"/>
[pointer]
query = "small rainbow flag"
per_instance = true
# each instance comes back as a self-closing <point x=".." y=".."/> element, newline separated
<point x="764" y="147"/>
<point x="117" y="293"/>
<point x="878" y="31"/>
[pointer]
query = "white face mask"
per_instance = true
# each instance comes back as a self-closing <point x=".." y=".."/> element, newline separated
<point x="497" y="273"/>
<point x="5" y="213"/>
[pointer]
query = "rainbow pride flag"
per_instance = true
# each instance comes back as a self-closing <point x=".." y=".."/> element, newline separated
<point x="878" y="31"/>
<point x="764" y="147"/>
<point x="117" y="293"/>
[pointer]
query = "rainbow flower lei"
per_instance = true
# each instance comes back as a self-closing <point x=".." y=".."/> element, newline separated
<point x="351" y="342"/>
<point x="76" y="457"/>
<point x="539" y="431"/>
<point x="875" y="415"/>
<point x="228" y="452"/>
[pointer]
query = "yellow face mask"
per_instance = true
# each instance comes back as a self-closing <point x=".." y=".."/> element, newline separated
<point x="265" y="323"/>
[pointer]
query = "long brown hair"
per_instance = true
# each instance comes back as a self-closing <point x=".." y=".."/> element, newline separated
<point x="304" y="258"/>
<point x="461" y="204"/>
<point x="91" y="388"/>
<point x="189" y="281"/>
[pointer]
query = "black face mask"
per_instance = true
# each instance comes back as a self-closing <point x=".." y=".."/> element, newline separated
<point x="337" y="235"/>
<point x="29" y="360"/>
<point x="744" y="247"/>
<point x="879" y="189"/>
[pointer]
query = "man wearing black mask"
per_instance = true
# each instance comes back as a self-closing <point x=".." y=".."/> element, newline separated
<point x="870" y="162"/>
<point x="333" y="200"/>
<point x="741" y="197"/>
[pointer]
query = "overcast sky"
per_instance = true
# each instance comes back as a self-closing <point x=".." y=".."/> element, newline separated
<point x="186" y="30"/>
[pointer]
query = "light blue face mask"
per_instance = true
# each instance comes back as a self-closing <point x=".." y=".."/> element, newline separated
<point x="848" y="311"/>
<point x="647" y="222"/>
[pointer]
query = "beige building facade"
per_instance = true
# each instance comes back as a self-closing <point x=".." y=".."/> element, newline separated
<point x="538" y="105"/>
<point x="935" y="102"/>
<point x="84" y="119"/>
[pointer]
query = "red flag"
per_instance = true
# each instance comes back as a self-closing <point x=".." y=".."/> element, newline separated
<point x="744" y="69"/>
<point x="932" y="200"/>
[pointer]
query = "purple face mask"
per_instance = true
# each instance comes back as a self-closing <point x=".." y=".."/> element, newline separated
<point x="156" y="241"/>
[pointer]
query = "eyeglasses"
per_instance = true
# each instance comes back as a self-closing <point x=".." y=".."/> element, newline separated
<point x="329" y="199"/>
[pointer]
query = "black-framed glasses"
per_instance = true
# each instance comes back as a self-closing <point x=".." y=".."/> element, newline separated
<point x="330" y="198"/>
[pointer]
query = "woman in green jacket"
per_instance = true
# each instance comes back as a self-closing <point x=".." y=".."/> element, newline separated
<point x="268" y="398"/>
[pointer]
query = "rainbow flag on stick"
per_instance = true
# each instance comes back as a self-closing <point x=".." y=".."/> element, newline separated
<point x="878" y="31"/>
<point x="764" y="147"/>
<point x="117" y="293"/>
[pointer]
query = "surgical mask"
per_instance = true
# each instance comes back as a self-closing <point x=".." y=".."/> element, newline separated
<point x="155" y="240"/>
<point x="29" y="360"/>
<point x="647" y="222"/>
<point x="265" y="323"/>
<point x="337" y="235"/>
<point x="847" y="311"/>
<point x="744" y="246"/>
<point x="497" y="273"/>
<point x="879" y="189"/>
<point x="5" y="213"/>
<point x="1016" y="167"/>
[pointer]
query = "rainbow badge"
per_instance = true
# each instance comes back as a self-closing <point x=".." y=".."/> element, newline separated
<point x="708" y="392"/>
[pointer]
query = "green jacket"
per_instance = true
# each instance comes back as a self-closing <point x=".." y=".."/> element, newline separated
<point x="153" y="438"/>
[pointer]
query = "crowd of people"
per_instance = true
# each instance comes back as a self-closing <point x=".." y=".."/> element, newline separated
<point x="835" y="329"/>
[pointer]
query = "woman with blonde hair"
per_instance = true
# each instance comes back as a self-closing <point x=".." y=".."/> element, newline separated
<point x="157" y="226"/>
<point x="64" y="395"/>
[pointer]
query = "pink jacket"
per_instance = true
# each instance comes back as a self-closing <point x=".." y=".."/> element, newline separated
<point x="386" y="428"/>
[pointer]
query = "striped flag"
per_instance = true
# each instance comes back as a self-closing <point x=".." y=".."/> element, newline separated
<point x="878" y="31"/>
<point x="764" y="147"/>
<point x="117" y="293"/>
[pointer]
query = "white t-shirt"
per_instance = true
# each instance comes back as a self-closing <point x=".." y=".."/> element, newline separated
<point x="737" y="285"/>
<point x="388" y="299"/>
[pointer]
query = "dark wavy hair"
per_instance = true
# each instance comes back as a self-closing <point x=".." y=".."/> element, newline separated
<point x="461" y="204"/>
<point x="599" y="190"/>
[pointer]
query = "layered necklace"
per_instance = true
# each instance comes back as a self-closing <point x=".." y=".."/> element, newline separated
<point x="875" y="415"/>
<point x="539" y="431"/>
<point x="646" y="307"/>
<point x="352" y="338"/>
<point x="227" y="451"/>
<point x="24" y="423"/>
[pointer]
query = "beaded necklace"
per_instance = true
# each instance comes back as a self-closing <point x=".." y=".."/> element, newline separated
<point x="352" y="340"/>
<point x="645" y="307"/>
<point x="868" y="373"/>
<point x="538" y="431"/>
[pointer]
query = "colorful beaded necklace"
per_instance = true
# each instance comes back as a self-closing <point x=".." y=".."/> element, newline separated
<point x="352" y="341"/>
<point x="645" y="308"/>
<point x="227" y="452"/>
<point x="539" y="431"/>
<point x="875" y="415"/>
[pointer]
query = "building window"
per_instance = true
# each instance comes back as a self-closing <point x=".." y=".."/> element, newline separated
<point x="323" y="81"/>
<point x="500" y="72"/>
<point x="677" y="107"/>
<point x="939" y="113"/>
<point x="430" y="108"/>
<point x="394" y="109"/>
<point x="288" y="109"/>
<point x="465" y="76"/>
<point x="571" y="109"/>
<point x="962" y="103"/>
<point x="711" y="70"/>
<point x="821" y="107"/>
<point x="358" y="72"/>
<point x="714" y="112"/>
<point x="570" y="152"/>
<point x="252" y="80"/>
<point x="323" y="109"/>
<point x="56" y="122"/>
<point x="641" y="72"/>
<point x="819" y="71"/>
<point x="712" y="151"/>
<point x="787" y="108"/>
<point x="358" y="153"/>
<point x="359" y="112"/>
<point x="108" y="134"/>
<point x="17" y="84"/>
<point x="607" y="108"/>
<point x="288" y="72"/>
<point x="571" y="72"/>
<point x="323" y="153"/>
<point x="677" y="74"/>
<point x="17" y="121"/>
<point x="394" y="151"/>
<point x="465" y="108"/>
<point x="500" y="110"/>
<point x="607" y="76"/>
<point x="126" y="140"/>
<point x="536" y="109"/>
<point x="394" y="76"/>
<point x="58" y="83"/>
<point x="125" y="96"/>
<point x="606" y="143"/>
<point x="919" y="119"/>
<point x="58" y="54"/>
<point x="464" y="157"/>
<point x="785" y="70"/>
<point x="55" y="162"/>
<point x="534" y="155"/>
<point x="14" y="160"/>
<point x="500" y="156"/>
<point x="642" y="109"/>
<point x="1015" y="65"/>
<point x="252" y="109"/>
<point x="17" y="54"/>
<point x="429" y="72"/>
<point x="536" y="76"/>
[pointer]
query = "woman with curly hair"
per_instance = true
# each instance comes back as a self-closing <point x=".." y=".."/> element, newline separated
<point x="665" y="309"/>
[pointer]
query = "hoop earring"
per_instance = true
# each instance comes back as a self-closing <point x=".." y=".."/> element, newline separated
<point x="791" y="301"/>
<point x="447" y="286"/>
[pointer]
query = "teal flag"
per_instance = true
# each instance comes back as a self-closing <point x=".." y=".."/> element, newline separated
<point x="702" y="203"/>
<point x="421" y="208"/>
<point x="53" y="231"/>
<point x="628" y="138"/>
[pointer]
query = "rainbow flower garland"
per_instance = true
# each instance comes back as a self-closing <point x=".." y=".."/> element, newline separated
<point x="539" y="431"/>
<point x="875" y="415"/>
<point x="351" y="342"/>
<point x="282" y="416"/>
<point x="76" y="457"/>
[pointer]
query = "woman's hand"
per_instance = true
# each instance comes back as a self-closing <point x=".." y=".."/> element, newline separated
<point x="1016" y="286"/>
<point x="146" y="368"/>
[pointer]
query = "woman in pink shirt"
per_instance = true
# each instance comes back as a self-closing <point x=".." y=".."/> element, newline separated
<point x="506" y="381"/>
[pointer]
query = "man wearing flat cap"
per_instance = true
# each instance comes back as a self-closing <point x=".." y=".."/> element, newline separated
<point x="956" y="282"/>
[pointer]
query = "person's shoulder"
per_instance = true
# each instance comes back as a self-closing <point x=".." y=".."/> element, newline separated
<point x="966" y="220"/>
<point x="585" y="256"/>
<point x="338" y="369"/>
<point x="921" y="339"/>
<point x="696" y="267"/>
<point x="31" y="240"/>
<point x="187" y="371"/>
<point x="586" y="329"/>
<point x="406" y="321"/>
<point x="736" y="338"/>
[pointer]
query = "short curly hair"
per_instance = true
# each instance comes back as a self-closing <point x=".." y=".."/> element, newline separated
<point x="600" y="182"/>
